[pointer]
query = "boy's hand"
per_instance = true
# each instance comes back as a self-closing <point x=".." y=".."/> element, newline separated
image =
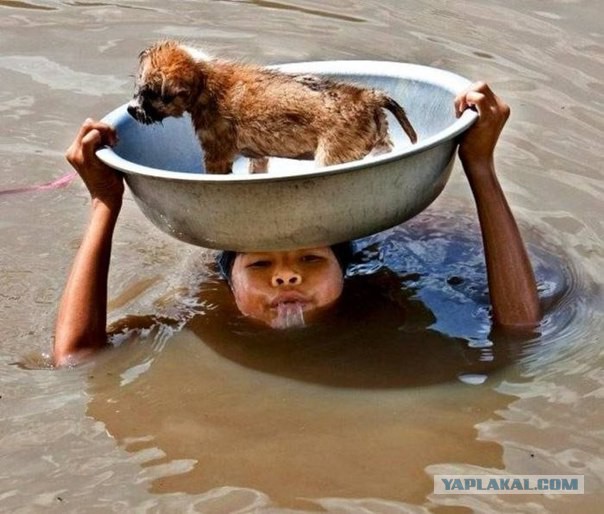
<point x="478" y="143"/>
<point x="103" y="183"/>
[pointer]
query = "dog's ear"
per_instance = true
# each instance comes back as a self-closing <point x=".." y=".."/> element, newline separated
<point x="169" y="93"/>
<point x="163" y="91"/>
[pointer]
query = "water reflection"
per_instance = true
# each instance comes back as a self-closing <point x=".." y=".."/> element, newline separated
<point x="201" y="421"/>
<point x="337" y="409"/>
<point x="369" y="341"/>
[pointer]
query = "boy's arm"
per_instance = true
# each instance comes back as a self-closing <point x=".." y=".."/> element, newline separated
<point x="82" y="317"/>
<point x="512" y="286"/>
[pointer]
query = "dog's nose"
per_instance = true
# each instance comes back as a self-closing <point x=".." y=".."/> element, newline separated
<point x="132" y="111"/>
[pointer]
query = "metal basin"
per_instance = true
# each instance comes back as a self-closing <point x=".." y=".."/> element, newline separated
<point x="296" y="205"/>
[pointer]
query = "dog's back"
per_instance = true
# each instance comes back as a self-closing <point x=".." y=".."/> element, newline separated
<point x="298" y="116"/>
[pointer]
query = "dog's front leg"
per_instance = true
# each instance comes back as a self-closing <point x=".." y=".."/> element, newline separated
<point x="219" y="151"/>
<point x="218" y="167"/>
<point x="217" y="161"/>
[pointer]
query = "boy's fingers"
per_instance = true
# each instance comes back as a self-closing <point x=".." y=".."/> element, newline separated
<point x="481" y="87"/>
<point x="459" y="105"/>
<point x="108" y="133"/>
<point x="476" y="100"/>
<point x="474" y="95"/>
<point x="469" y="98"/>
<point x="90" y="142"/>
<point x="84" y="129"/>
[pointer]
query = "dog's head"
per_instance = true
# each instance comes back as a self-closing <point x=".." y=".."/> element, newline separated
<point x="167" y="83"/>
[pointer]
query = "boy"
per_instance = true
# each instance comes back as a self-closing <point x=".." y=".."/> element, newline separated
<point x="268" y="285"/>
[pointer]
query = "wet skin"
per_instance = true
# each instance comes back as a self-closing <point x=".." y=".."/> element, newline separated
<point x="265" y="283"/>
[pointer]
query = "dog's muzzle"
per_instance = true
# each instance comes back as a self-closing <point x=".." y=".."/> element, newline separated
<point x="143" y="113"/>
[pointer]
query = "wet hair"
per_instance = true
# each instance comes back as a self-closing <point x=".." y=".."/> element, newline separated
<point x="342" y="251"/>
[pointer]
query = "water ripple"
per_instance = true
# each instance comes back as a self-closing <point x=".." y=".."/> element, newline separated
<point x="58" y="77"/>
<point x="303" y="10"/>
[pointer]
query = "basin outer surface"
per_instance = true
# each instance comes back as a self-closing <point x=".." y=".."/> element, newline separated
<point x="287" y="213"/>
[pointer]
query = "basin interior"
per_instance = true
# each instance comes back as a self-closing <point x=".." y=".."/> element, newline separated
<point x="173" y="146"/>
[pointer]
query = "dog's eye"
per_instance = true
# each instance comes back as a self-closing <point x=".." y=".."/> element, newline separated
<point x="150" y="95"/>
<point x="167" y="98"/>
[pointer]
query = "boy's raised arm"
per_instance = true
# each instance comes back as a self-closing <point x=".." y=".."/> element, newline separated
<point x="512" y="286"/>
<point x="81" y="321"/>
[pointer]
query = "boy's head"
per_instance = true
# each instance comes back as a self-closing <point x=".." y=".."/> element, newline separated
<point x="267" y="284"/>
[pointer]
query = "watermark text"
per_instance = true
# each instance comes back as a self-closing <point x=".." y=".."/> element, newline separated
<point x="509" y="484"/>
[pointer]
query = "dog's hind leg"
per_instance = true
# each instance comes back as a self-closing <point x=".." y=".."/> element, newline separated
<point x="383" y="146"/>
<point x="258" y="165"/>
<point x="383" y="143"/>
<point x="335" y="151"/>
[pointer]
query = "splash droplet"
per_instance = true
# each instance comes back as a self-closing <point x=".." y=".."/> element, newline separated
<point x="472" y="379"/>
<point x="289" y="315"/>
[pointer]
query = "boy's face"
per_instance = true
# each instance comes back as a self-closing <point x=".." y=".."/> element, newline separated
<point x="266" y="284"/>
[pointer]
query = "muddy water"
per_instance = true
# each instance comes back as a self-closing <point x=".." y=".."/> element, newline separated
<point x="207" y="413"/>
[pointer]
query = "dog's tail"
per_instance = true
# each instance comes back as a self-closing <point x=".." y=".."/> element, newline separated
<point x="401" y="116"/>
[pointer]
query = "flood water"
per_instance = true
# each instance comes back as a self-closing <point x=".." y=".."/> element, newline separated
<point x="208" y="414"/>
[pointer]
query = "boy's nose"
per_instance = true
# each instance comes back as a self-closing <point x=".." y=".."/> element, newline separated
<point x="286" y="277"/>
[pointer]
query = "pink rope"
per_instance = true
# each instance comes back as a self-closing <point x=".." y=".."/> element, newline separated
<point x="62" y="181"/>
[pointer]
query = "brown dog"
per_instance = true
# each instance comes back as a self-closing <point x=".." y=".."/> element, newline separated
<point x="260" y="113"/>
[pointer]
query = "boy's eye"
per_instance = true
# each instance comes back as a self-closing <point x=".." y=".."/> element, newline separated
<point x="259" y="264"/>
<point x="311" y="258"/>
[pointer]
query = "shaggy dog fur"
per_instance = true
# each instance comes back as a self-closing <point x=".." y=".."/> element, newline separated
<point x="259" y="113"/>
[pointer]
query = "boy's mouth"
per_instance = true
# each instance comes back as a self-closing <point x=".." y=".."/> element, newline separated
<point x="288" y="314"/>
<point x="289" y="299"/>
